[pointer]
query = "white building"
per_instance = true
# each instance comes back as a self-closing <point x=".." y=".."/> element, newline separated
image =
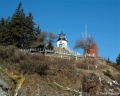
<point x="62" y="41"/>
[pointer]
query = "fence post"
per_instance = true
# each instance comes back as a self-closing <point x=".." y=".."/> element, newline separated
<point x="88" y="67"/>
<point x="76" y="56"/>
<point x="40" y="50"/>
<point x="45" y="52"/>
<point x="61" y="56"/>
<point x="69" y="57"/>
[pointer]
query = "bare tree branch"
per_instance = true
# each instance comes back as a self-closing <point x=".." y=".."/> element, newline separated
<point x="84" y="43"/>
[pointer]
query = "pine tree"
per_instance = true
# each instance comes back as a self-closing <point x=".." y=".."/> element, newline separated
<point x="37" y="30"/>
<point x="50" y="46"/>
<point x="19" y="30"/>
<point x="17" y="27"/>
<point x="3" y="31"/>
<point x="30" y="30"/>
<point x="22" y="30"/>
<point x="118" y="59"/>
<point x="108" y="60"/>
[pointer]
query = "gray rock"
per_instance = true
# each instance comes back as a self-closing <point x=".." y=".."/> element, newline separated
<point x="4" y="88"/>
<point x="3" y="93"/>
<point x="6" y="85"/>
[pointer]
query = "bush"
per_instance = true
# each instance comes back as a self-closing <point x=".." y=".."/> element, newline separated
<point x="118" y="78"/>
<point x="108" y="60"/>
<point x="63" y="64"/>
<point x="107" y="73"/>
<point x="82" y="65"/>
<point x="89" y="61"/>
<point x="25" y="62"/>
<point x="118" y="59"/>
<point x="85" y="66"/>
<point x="34" y="67"/>
<point x="7" y="52"/>
<point x="42" y="69"/>
<point x="34" y="64"/>
<point x="118" y="67"/>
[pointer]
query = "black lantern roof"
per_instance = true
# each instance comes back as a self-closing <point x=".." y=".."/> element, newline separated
<point x="62" y="36"/>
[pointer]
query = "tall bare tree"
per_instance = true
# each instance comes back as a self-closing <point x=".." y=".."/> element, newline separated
<point x="45" y="39"/>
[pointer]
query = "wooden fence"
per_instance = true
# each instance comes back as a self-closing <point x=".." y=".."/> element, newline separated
<point x="59" y="53"/>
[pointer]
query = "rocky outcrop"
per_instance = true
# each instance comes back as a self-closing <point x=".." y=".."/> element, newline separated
<point x="90" y="83"/>
<point x="81" y="85"/>
<point x="93" y="86"/>
<point x="7" y="84"/>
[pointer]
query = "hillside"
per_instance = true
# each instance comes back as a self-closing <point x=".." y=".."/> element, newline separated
<point x="31" y="74"/>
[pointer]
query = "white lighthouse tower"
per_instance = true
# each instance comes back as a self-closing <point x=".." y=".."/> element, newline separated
<point x="62" y="41"/>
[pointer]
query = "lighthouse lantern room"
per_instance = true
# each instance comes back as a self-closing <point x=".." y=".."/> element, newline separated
<point x="62" y="41"/>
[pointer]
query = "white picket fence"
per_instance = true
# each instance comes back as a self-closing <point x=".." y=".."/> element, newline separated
<point x="65" y="54"/>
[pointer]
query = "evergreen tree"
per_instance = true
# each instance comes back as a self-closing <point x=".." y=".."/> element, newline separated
<point x="118" y="59"/>
<point x="17" y="27"/>
<point x="50" y="46"/>
<point x="3" y="31"/>
<point x="38" y="30"/>
<point x="39" y="38"/>
<point x="30" y="31"/>
<point x="19" y="30"/>
<point x="108" y="60"/>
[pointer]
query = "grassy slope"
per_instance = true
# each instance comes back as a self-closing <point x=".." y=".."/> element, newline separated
<point x="54" y="76"/>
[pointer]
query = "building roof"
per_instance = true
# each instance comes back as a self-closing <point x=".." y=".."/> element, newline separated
<point x="62" y="39"/>
<point x="62" y="36"/>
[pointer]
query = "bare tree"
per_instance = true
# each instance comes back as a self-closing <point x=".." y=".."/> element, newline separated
<point x="51" y="37"/>
<point x="84" y="43"/>
<point x="48" y="37"/>
<point x="40" y="42"/>
<point x="44" y="39"/>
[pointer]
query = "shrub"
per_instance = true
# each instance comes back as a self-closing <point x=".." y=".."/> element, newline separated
<point x="63" y="64"/>
<point x="118" y="78"/>
<point x="101" y="66"/>
<point x="118" y="67"/>
<point x="85" y="66"/>
<point x="118" y="59"/>
<point x="82" y="65"/>
<point x="42" y="69"/>
<point x="107" y="73"/>
<point x="6" y="52"/>
<point x="34" y="64"/>
<point x="108" y="60"/>
<point x="39" y="57"/>
<point x="89" y="61"/>
<point x="25" y="62"/>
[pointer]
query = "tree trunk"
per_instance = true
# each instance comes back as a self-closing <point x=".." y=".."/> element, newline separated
<point x="85" y="53"/>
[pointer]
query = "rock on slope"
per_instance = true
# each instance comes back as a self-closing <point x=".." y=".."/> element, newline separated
<point x="7" y="84"/>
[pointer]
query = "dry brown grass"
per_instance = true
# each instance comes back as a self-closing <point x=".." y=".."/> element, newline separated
<point x="28" y="63"/>
<point x="44" y="72"/>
